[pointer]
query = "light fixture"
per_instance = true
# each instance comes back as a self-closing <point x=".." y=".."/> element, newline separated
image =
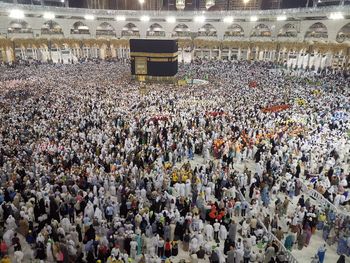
<point x="199" y="19"/>
<point x="336" y="16"/>
<point x="89" y="17"/>
<point x="282" y="18"/>
<point x="171" y="19"/>
<point x="245" y="2"/>
<point x="17" y="14"/>
<point x="228" y="19"/>
<point x="120" y="18"/>
<point x="253" y="18"/>
<point x="144" y="18"/>
<point x="49" y="16"/>
<point x="141" y="2"/>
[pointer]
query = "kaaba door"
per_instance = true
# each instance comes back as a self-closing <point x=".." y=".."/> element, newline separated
<point x="141" y="65"/>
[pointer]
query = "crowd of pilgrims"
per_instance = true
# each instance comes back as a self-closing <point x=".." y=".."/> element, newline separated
<point x="94" y="168"/>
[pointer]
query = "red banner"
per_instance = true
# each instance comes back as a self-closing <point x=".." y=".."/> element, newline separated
<point x="276" y="108"/>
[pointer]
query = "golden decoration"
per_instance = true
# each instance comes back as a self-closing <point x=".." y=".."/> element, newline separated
<point x="333" y="48"/>
<point x="204" y="43"/>
<point x="237" y="44"/>
<point x="5" y="43"/>
<point x="119" y="43"/>
<point x="184" y="42"/>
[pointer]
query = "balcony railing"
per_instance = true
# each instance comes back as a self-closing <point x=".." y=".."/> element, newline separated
<point x="156" y="13"/>
<point x="79" y="32"/>
<point x="272" y="237"/>
<point x="105" y="33"/>
<point x="19" y="31"/>
<point x="51" y="32"/>
<point x="130" y="34"/>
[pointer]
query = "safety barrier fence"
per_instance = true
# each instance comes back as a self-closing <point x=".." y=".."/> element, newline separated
<point x="320" y="199"/>
<point x="271" y="237"/>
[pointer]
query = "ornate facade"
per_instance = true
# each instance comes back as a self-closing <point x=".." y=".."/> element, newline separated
<point x="296" y="40"/>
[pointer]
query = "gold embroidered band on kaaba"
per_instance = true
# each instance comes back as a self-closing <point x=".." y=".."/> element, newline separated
<point x="162" y="59"/>
<point x="153" y="55"/>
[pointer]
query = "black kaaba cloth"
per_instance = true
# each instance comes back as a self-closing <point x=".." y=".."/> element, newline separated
<point x="154" y="57"/>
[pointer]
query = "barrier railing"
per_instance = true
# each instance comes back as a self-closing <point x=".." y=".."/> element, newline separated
<point x="271" y="237"/>
<point x="240" y="13"/>
<point x="322" y="200"/>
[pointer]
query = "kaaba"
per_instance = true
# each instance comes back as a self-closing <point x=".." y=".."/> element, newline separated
<point x="153" y="59"/>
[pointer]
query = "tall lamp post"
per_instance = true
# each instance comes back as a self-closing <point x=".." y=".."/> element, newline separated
<point x="245" y="2"/>
<point x="51" y="27"/>
<point x="141" y="3"/>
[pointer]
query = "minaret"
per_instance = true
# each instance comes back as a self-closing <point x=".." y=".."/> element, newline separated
<point x="209" y="3"/>
<point x="180" y="4"/>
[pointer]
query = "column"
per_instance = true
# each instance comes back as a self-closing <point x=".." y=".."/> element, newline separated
<point x="332" y="60"/>
<point x="3" y="54"/>
<point x="288" y="57"/>
<point x="229" y="54"/>
<point x="11" y="53"/>
<point x="219" y="54"/>
<point x="103" y="52"/>
<point x="297" y="60"/>
<point x="308" y="60"/>
<point x="210" y="54"/>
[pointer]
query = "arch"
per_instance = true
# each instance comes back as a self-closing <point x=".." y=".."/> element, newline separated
<point x="234" y="30"/>
<point x="80" y="28"/>
<point x="19" y="27"/>
<point x="130" y="30"/>
<point x="288" y="30"/>
<point x="105" y="29"/>
<point x="207" y="30"/>
<point x="261" y="30"/>
<point x="155" y="30"/>
<point x="343" y="34"/>
<point x="317" y="30"/>
<point x="51" y="28"/>
<point x="181" y="30"/>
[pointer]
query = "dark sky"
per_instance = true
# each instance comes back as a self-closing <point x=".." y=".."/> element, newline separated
<point x="76" y="3"/>
<point x="293" y="3"/>
<point x="285" y="3"/>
